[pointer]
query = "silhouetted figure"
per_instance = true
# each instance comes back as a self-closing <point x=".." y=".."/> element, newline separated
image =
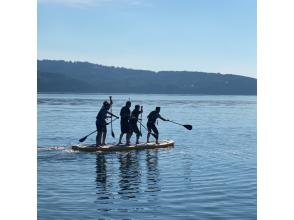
<point x="152" y="117"/>
<point x="133" y="122"/>
<point x="125" y="114"/>
<point x="101" y="123"/>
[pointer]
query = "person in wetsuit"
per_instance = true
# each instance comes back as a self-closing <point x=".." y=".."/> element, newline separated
<point x="133" y="122"/>
<point x="152" y="117"/>
<point x="101" y="122"/>
<point x="125" y="114"/>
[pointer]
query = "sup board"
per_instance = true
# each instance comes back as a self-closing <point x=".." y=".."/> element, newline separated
<point x="141" y="146"/>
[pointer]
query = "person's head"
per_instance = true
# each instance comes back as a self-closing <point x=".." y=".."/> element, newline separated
<point x="137" y="107"/>
<point x="106" y="104"/>
<point x="157" y="109"/>
<point x="128" y="104"/>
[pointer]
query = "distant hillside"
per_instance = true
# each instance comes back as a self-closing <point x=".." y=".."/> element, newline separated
<point x="63" y="76"/>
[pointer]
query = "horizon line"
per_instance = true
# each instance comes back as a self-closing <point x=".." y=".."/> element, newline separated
<point x="156" y="71"/>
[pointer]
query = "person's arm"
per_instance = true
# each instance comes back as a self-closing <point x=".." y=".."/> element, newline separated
<point x="140" y="113"/>
<point x="159" y="116"/>
<point x="112" y="114"/>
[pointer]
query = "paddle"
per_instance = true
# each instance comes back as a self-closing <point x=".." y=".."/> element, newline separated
<point x="112" y="133"/>
<point x="189" y="127"/>
<point x="84" y="138"/>
<point x="141" y="120"/>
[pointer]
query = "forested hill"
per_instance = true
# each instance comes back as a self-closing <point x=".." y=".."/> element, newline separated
<point x="63" y="76"/>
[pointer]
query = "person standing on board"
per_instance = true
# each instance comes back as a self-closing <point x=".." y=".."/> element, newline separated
<point x="101" y="122"/>
<point x="133" y="122"/>
<point x="125" y="114"/>
<point x="152" y="117"/>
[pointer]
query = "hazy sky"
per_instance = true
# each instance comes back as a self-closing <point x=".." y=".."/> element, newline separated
<point x="200" y="35"/>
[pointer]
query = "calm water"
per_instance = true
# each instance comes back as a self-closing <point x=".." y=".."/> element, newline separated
<point x="209" y="174"/>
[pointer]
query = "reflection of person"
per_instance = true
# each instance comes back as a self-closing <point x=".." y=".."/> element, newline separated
<point x="133" y="122"/>
<point x="130" y="175"/>
<point x="125" y="114"/>
<point x="152" y="172"/>
<point x="152" y="117"/>
<point x="101" y="122"/>
<point x="101" y="172"/>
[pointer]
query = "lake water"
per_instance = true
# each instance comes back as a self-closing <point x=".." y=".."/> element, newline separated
<point x="209" y="174"/>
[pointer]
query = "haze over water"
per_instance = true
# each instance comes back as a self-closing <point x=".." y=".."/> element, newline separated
<point x="209" y="174"/>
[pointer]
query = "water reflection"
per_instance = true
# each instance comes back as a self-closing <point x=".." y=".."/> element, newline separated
<point x="152" y="171"/>
<point x="130" y="175"/>
<point x="101" y="176"/>
<point x="131" y="166"/>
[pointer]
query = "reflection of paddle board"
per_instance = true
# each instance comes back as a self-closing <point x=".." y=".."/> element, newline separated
<point x="141" y="146"/>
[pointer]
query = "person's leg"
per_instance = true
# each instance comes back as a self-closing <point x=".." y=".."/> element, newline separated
<point x="137" y="138"/>
<point x="104" y="138"/>
<point x="120" y="137"/>
<point x="126" y="130"/>
<point x="104" y="134"/>
<point x="130" y="135"/>
<point x="128" y="138"/>
<point x="148" y="136"/>
<point x="130" y="132"/>
<point x="98" y="136"/>
<point x="149" y="132"/>
<point x="155" y="131"/>
<point x="121" y="132"/>
<point x="98" y="139"/>
<point x="137" y="132"/>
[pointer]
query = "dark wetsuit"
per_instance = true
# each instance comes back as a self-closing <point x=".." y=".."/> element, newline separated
<point x="152" y="117"/>
<point x="134" y="120"/>
<point x="124" y="120"/>
<point x="101" y="120"/>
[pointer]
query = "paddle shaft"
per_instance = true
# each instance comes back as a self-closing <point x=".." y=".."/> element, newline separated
<point x="175" y="122"/>
<point x="91" y="133"/>
<point x="84" y="138"/>
<point x="141" y="120"/>
<point x="112" y="133"/>
<point x="142" y="125"/>
<point x="189" y="127"/>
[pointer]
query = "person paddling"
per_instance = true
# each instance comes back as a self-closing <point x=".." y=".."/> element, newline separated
<point x="152" y="117"/>
<point x="125" y="114"/>
<point x="101" y="122"/>
<point x="133" y="122"/>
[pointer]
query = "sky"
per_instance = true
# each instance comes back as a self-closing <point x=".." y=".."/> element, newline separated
<point x="194" y="35"/>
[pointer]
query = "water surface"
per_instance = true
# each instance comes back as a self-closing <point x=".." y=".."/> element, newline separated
<point x="209" y="174"/>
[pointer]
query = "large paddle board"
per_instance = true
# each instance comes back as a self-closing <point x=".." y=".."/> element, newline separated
<point x="141" y="146"/>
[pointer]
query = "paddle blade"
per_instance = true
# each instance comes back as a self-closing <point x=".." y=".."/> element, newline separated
<point x="189" y="127"/>
<point x="83" y="139"/>
<point x="112" y="134"/>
